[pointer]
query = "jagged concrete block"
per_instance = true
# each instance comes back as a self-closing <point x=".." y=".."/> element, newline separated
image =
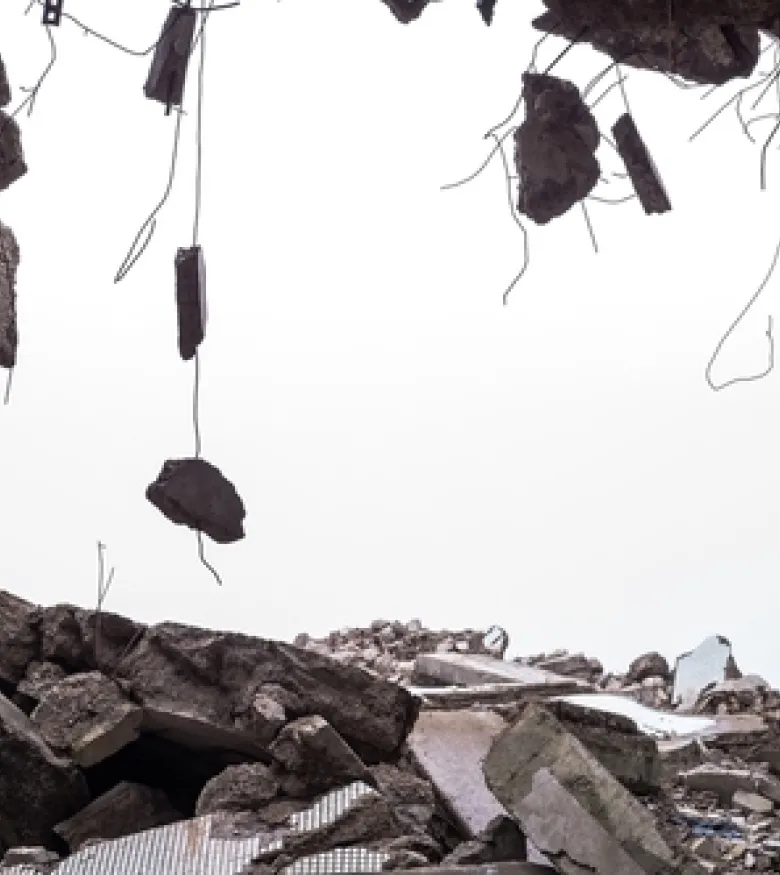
<point x="640" y="166"/>
<point x="555" y="148"/>
<point x="5" y="88"/>
<point x="191" y="299"/>
<point x="165" y="82"/>
<point x="195" y="493"/>
<point x="12" y="164"/>
<point x="9" y="262"/>
<point x="406" y="10"/>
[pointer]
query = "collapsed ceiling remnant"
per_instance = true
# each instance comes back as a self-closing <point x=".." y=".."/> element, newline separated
<point x="194" y="750"/>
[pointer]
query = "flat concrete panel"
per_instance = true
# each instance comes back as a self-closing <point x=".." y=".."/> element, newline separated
<point x="469" y="669"/>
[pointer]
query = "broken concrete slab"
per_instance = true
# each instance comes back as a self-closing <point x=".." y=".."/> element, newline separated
<point x="126" y="808"/>
<point x="18" y="617"/>
<point x="406" y="11"/>
<point x="38" y="679"/>
<point x="194" y="493"/>
<point x="310" y="749"/>
<point x="244" y="787"/>
<point x="555" y="148"/>
<point x="12" y="164"/>
<point x="469" y="669"/>
<point x="9" y="262"/>
<point x="459" y="698"/>
<point x="640" y="166"/>
<point x="752" y="803"/>
<point x="5" y="88"/>
<point x="214" y="674"/>
<point x="648" y="665"/>
<point x="536" y="766"/>
<point x="37" y="789"/>
<point x="86" y="717"/>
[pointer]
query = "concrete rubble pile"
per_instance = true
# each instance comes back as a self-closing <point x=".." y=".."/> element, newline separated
<point x="173" y="749"/>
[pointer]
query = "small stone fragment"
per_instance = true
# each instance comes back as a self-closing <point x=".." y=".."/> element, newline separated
<point x="646" y="666"/>
<point x="165" y="83"/>
<point x="753" y="803"/>
<point x="643" y="172"/>
<point x="194" y="493"/>
<point x="191" y="299"/>
<point x="486" y="9"/>
<point x="9" y="262"/>
<point x="555" y="148"/>
<point x="244" y="787"/>
<point x="12" y="164"/>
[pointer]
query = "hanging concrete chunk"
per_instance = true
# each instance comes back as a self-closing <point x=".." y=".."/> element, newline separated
<point x="190" y="299"/>
<point x="5" y="88"/>
<point x="12" y="165"/>
<point x="9" y="262"/>
<point x="406" y="10"/>
<point x="165" y="83"/>
<point x="555" y="148"/>
<point x="486" y="9"/>
<point x="705" y="52"/>
<point x="644" y="175"/>
<point x="194" y="493"/>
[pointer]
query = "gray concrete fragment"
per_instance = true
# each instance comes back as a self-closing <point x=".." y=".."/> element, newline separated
<point x="5" y="88"/>
<point x="125" y="809"/>
<point x="165" y="82"/>
<point x="87" y="718"/>
<point x="9" y="262"/>
<point x="244" y="787"/>
<point x="468" y="669"/>
<point x="18" y="618"/>
<point x="599" y="826"/>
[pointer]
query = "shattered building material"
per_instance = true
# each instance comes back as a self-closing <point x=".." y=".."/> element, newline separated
<point x="486" y="10"/>
<point x="709" y="663"/>
<point x="706" y="52"/>
<point x="165" y="82"/>
<point x="641" y="169"/>
<point x="12" y="163"/>
<point x="555" y="148"/>
<point x="406" y="11"/>
<point x="9" y="262"/>
<point x="191" y="305"/>
<point x="5" y="88"/>
<point x="194" y="493"/>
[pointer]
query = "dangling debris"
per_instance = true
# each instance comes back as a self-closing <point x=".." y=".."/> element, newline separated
<point x="169" y="65"/>
<point x="406" y="10"/>
<point x="705" y="52"/>
<point x="5" y="88"/>
<point x="640" y="166"/>
<point x="52" y="12"/>
<point x="486" y="8"/>
<point x="9" y="261"/>
<point x="194" y="493"/>
<point x="191" y="299"/>
<point x="12" y="166"/>
<point x="555" y="148"/>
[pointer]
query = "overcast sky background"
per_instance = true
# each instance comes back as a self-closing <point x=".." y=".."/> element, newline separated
<point x="404" y="444"/>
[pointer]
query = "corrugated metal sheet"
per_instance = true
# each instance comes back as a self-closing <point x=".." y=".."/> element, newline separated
<point x="186" y="848"/>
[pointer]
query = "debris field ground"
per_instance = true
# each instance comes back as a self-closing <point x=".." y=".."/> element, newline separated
<point x="173" y="749"/>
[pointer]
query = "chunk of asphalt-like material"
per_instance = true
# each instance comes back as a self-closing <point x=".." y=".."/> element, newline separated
<point x="640" y="166"/>
<point x="555" y="148"/>
<point x="194" y="493"/>
<point x="191" y="299"/>
<point x="5" y="88"/>
<point x="12" y="164"/>
<point x="9" y="262"/>
<point x="165" y="82"/>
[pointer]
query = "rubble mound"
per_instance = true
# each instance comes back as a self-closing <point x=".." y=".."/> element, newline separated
<point x="387" y="747"/>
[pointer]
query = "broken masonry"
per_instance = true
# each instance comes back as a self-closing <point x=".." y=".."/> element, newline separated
<point x="640" y="166"/>
<point x="165" y="83"/>
<point x="190" y="299"/>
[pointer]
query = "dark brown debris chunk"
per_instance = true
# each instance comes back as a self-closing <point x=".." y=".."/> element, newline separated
<point x="9" y="262"/>
<point x="554" y="148"/>
<point x="5" y="88"/>
<point x="195" y="493"/>
<point x="12" y="165"/>
<point x="190" y="299"/>
<point x="406" y="11"/>
<point x="165" y="83"/>
<point x="640" y="166"/>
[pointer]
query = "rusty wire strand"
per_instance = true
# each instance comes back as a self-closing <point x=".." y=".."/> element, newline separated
<point x="732" y="327"/>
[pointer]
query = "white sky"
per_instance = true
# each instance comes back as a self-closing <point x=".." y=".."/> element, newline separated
<point x="405" y="445"/>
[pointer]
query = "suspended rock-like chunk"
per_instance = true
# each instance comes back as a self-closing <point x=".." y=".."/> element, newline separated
<point x="644" y="175"/>
<point x="406" y="10"/>
<point x="5" y="88"/>
<point x="486" y="9"/>
<point x="12" y="166"/>
<point x="165" y="83"/>
<point x="705" y="52"/>
<point x="194" y="493"/>
<point x="190" y="299"/>
<point x="554" y="148"/>
<point x="9" y="261"/>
